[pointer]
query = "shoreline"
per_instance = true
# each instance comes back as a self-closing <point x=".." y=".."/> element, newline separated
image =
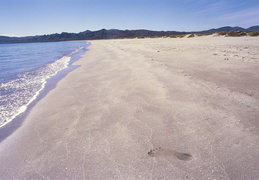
<point x="146" y="109"/>
<point x="9" y="128"/>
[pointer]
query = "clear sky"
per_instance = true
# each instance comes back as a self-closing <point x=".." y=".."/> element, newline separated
<point x="38" y="17"/>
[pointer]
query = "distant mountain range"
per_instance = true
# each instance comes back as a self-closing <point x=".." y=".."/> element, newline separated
<point x="112" y="34"/>
<point x="229" y="29"/>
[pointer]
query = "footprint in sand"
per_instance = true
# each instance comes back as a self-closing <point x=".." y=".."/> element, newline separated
<point x="160" y="152"/>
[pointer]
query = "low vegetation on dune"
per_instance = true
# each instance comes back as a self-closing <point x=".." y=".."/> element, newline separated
<point x="222" y="33"/>
<point x="181" y="36"/>
<point x="173" y="36"/>
<point x="236" y="34"/>
<point x="204" y="34"/>
<point x="141" y="37"/>
<point x="256" y="33"/>
<point x="177" y="36"/>
<point x="191" y="36"/>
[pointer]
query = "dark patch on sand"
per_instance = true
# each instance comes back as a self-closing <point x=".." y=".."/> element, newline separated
<point x="183" y="156"/>
<point x="160" y="152"/>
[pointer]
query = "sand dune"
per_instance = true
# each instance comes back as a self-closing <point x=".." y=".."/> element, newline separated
<point x="165" y="108"/>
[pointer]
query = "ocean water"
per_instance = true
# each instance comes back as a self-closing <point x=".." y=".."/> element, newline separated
<point x="25" y="69"/>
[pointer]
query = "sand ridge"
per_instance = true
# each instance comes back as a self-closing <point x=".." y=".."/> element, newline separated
<point x="146" y="109"/>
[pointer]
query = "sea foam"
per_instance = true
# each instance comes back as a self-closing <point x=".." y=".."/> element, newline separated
<point x="18" y="94"/>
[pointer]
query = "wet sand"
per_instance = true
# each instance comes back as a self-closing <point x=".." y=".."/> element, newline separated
<point x="163" y="108"/>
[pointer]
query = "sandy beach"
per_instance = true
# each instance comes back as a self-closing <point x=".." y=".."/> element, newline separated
<point x="160" y="108"/>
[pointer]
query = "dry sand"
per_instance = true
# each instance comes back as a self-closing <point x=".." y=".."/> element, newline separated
<point x="146" y="109"/>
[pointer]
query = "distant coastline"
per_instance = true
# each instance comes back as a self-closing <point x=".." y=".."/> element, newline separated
<point x="118" y="34"/>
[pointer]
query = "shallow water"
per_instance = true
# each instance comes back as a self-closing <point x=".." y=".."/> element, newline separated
<point x="24" y="70"/>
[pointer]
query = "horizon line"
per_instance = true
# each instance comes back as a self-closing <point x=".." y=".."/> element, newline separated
<point x="17" y="36"/>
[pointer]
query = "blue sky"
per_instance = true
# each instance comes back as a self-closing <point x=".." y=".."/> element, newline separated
<point x="38" y="17"/>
